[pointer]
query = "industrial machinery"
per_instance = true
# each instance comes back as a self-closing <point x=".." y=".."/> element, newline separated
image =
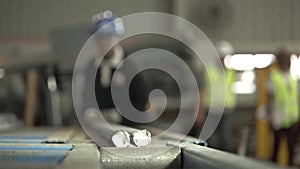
<point x="71" y="148"/>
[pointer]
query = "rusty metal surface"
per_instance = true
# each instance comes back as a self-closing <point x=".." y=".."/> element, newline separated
<point x="83" y="155"/>
<point x="137" y="158"/>
<point x="86" y="154"/>
<point x="195" y="156"/>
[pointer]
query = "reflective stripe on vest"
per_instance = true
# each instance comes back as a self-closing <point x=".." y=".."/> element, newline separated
<point x="215" y="80"/>
<point x="286" y="98"/>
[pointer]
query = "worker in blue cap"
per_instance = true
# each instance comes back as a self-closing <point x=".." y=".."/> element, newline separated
<point x="108" y="28"/>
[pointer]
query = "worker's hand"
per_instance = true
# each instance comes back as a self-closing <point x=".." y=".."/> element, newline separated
<point x="201" y="117"/>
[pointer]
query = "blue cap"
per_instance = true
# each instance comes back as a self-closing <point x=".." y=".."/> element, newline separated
<point x="105" y="24"/>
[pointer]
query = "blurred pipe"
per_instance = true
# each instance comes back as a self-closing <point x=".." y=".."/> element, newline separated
<point x="31" y="97"/>
<point x="55" y="116"/>
<point x="242" y="149"/>
<point x="179" y="8"/>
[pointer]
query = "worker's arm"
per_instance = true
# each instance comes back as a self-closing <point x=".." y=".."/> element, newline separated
<point x="202" y="84"/>
<point x="201" y="112"/>
<point x="269" y="99"/>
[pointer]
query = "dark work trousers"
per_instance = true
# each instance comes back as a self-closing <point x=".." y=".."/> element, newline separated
<point x="223" y="137"/>
<point x="291" y="134"/>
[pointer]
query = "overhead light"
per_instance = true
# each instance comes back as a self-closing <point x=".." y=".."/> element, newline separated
<point x="242" y="62"/>
<point x="242" y="87"/>
<point x="227" y="60"/>
<point x="263" y="60"/>
<point x="295" y="66"/>
<point x="248" y="76"/>
<point x="52" y="86"/>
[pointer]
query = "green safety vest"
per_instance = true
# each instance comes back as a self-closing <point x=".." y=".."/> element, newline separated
<point x="286" y="98"/>
<point x="214" y="81"/>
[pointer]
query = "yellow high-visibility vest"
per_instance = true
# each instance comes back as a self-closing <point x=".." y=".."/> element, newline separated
<point x="215" y="80"/>
<point x="286" y="98"/>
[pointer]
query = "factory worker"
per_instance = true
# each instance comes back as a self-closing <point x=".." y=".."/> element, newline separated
<point x="111" y="28"/>
<point x="223" y="137"/>
<point x="283" y="105"/>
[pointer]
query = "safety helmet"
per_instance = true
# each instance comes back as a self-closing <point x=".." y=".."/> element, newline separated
<point x="224" y="48"/>
<point x="106" y="24"/>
